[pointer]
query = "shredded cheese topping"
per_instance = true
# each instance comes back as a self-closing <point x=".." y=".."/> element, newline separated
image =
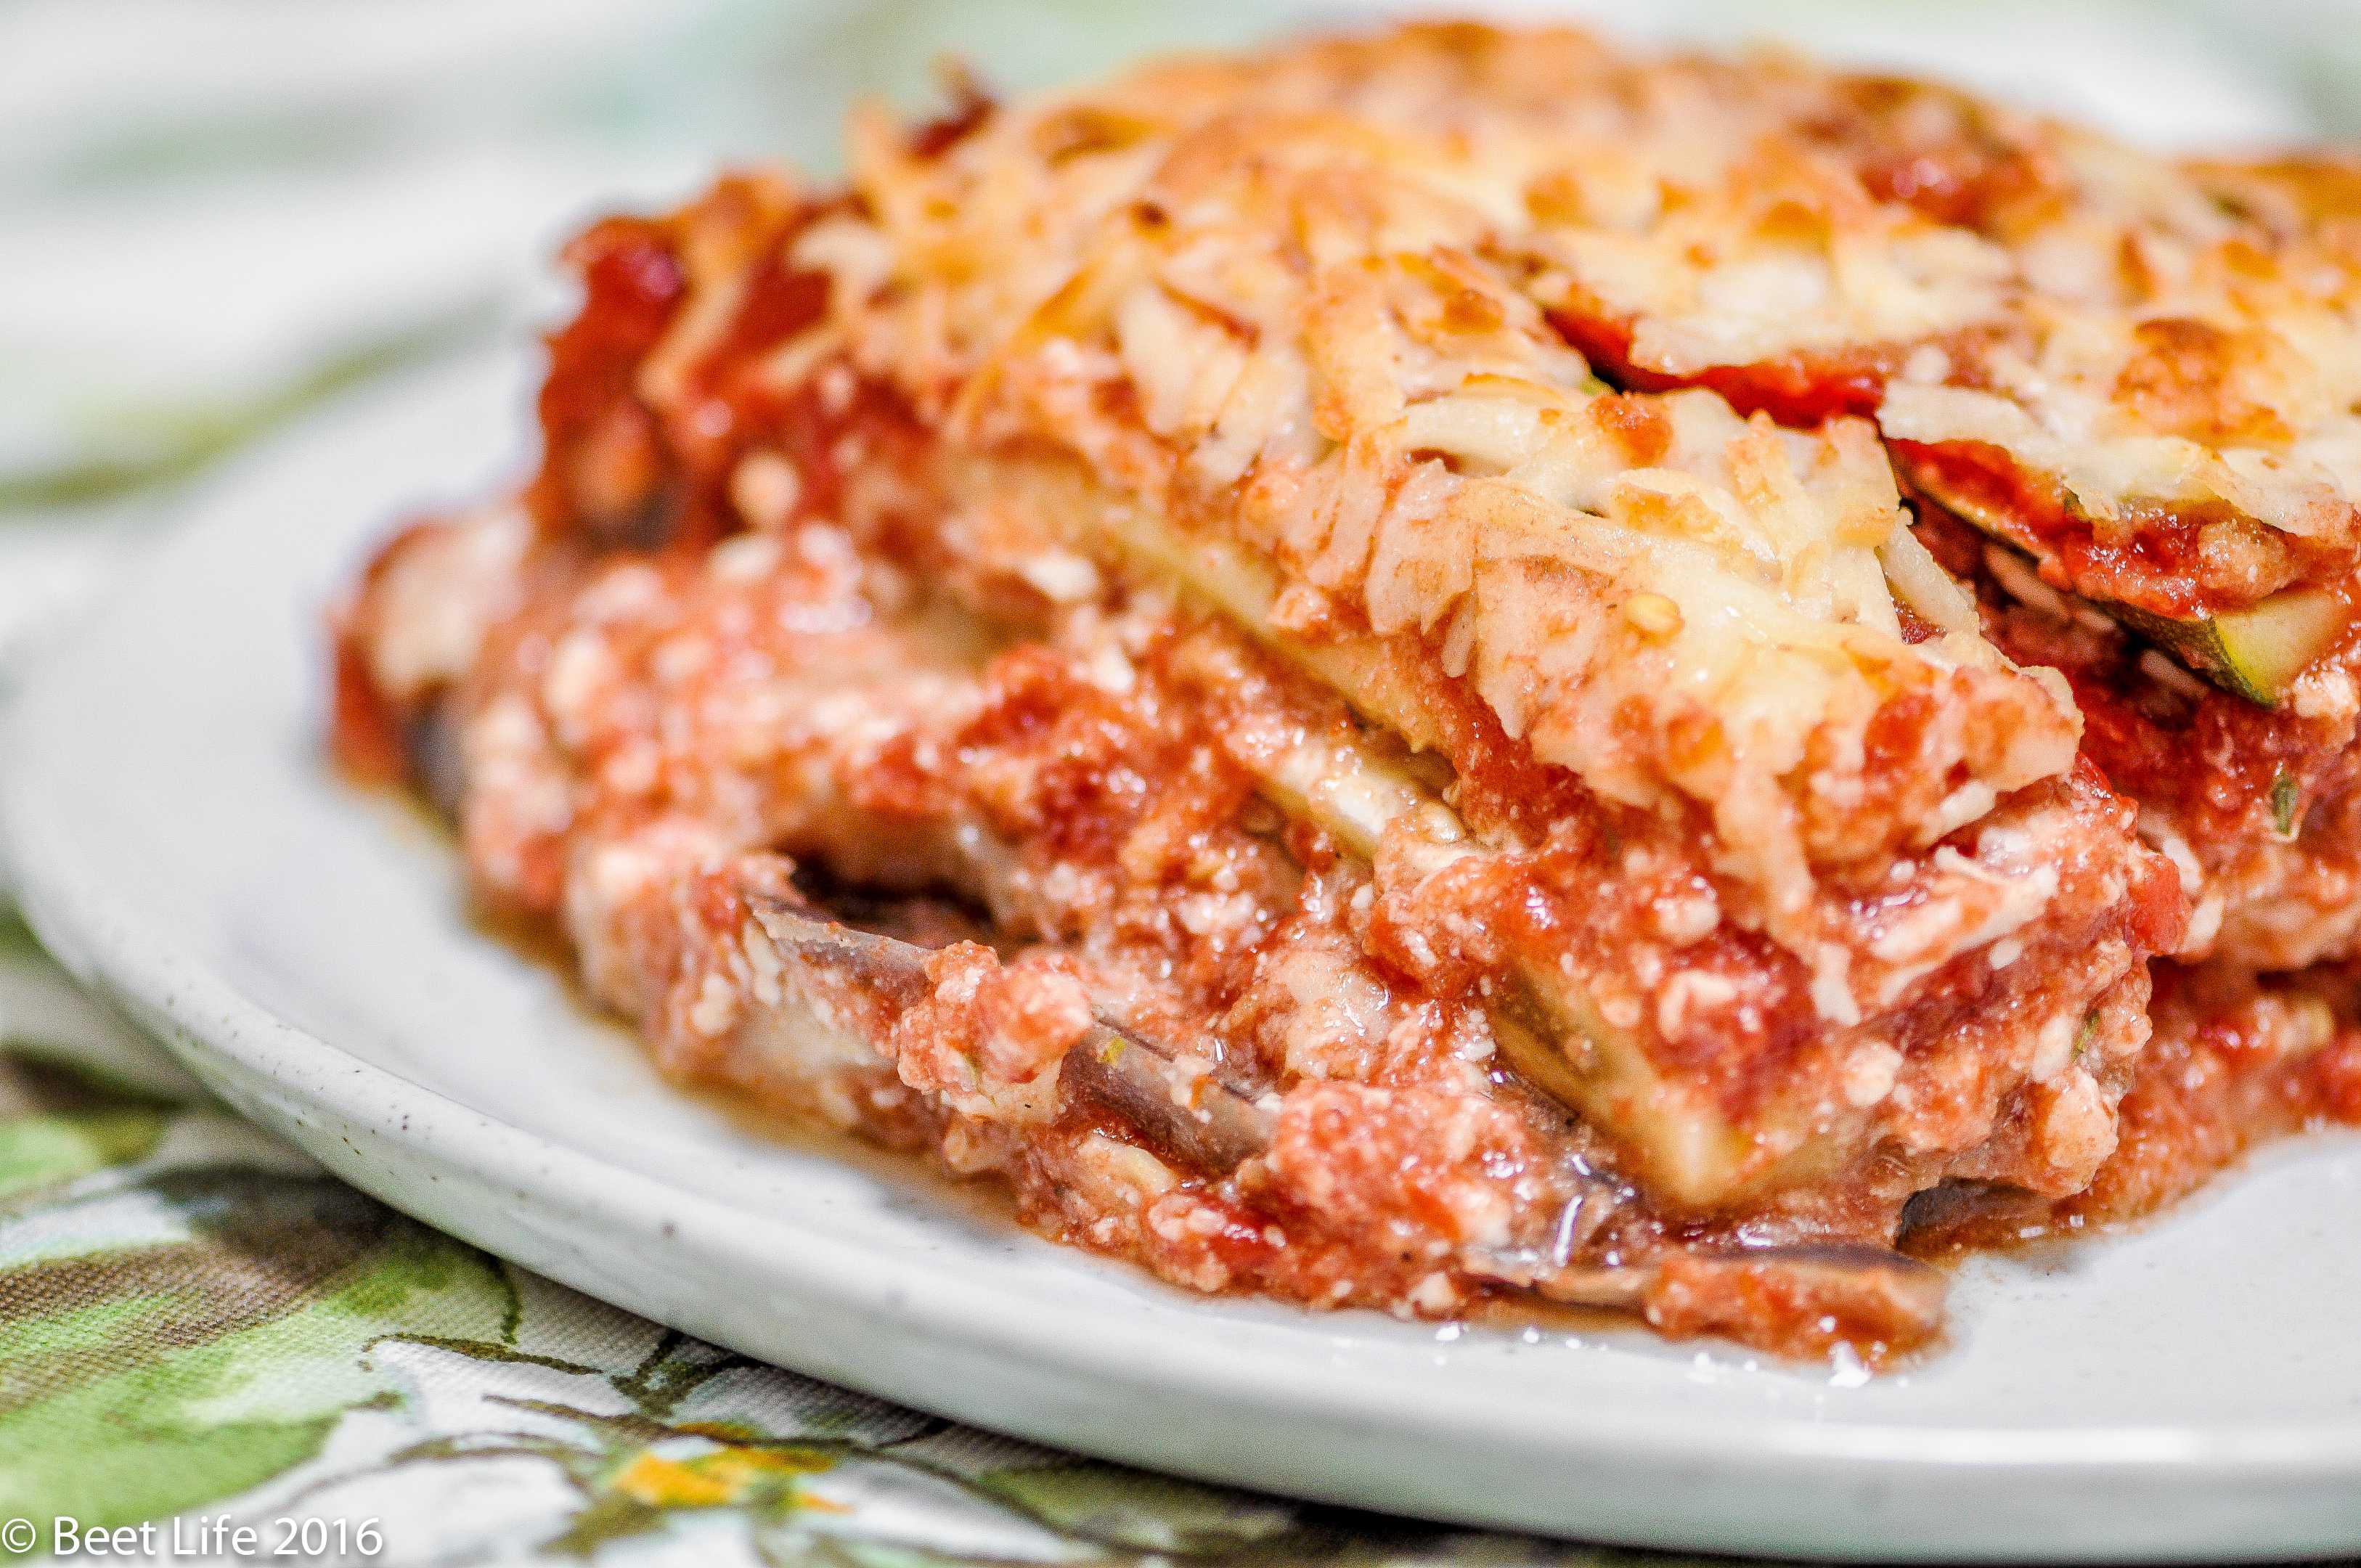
<point x="1298" y="303"/>
<point x="2139" y="331"/>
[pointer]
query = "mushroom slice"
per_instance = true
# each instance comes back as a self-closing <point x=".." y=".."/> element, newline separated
<point x="1184" y="1112"/>
<point x="1864" y="1283"/>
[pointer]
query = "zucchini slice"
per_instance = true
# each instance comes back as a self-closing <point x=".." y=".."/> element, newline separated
<point x="1545" y="1026"/>
<point x="1691" y="1152"/>
<point x="2255" y="654"/>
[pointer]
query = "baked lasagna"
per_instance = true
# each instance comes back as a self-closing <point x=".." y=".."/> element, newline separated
<point x="1454" y="666"/>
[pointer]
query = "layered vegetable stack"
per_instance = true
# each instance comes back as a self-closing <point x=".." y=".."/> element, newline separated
<point x="1427" y="668"/>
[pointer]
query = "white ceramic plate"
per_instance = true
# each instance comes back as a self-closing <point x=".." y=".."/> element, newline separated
<point x="2193" y="1390"/>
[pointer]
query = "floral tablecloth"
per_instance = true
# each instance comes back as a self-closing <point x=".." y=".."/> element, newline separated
<point x="215" y="214"/>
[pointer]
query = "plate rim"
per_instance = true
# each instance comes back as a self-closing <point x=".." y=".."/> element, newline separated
<point x="104" y="936"/>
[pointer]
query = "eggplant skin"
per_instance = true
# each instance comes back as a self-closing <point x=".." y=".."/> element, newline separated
<point x="2255" y="654"/>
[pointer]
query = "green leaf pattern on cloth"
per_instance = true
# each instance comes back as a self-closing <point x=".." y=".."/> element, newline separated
<point x="196" y="1320"/>
<point x="54" y="1127"/>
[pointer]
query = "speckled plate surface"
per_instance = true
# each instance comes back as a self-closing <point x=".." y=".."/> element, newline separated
<point x="2191" y="1390"/>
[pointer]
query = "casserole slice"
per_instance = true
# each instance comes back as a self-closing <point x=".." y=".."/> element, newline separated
<point x="1160" y="526"/>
